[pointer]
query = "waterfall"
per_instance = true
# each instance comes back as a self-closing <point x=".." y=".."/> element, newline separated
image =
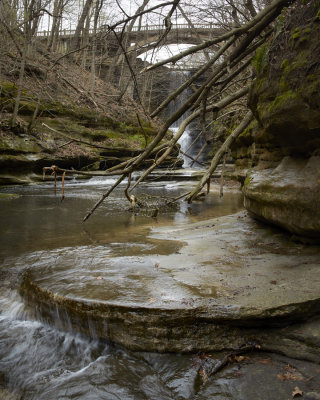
<point x="187" y="142"/>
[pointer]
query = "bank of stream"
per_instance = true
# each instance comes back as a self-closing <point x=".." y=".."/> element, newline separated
<point x="120" y="257"/>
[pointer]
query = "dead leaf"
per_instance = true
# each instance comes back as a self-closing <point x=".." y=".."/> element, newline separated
<point x="297" y="392"/>
<point x="203" y="375"/>
<point x="291" y="374"/>
<point x="151" y="300"/>
<point x="156" y="265"/>
<point x="265" y="361"/>
<point x="273" y="282"/>
<point x="239" y="358"/>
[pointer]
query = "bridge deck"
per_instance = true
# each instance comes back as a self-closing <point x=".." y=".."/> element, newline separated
<point x="138" y="29"/>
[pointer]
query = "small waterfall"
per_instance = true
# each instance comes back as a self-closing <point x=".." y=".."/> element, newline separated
<point x="190" y="141"/>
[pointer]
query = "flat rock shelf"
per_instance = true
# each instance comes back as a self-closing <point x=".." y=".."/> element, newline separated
<point x="220" y="281"/>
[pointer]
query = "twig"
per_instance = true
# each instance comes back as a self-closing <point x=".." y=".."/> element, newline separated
<point x="142" y="130"/>
<point x="127" y="187"/>
<point x="216" y="159"/>
<point x="74" y="139"/>
<point x="105" y="195"/>
<point x="195" y="140"/>
<point x="199" y="153"/>
<point x="178" y="198"/>
<point x="191" y="158"/>
<point x="65" y="144"/>
<point x="222" y="174"/>
<point x="231" y="358"/>
<point x="63" y="176"/>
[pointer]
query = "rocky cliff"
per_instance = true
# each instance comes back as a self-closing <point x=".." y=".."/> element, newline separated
<point x="279" y="154"/>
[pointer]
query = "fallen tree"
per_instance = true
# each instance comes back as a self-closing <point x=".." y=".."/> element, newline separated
<point x="221" y="88"/>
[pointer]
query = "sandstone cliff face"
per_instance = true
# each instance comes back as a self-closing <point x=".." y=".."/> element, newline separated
<point x="280" y="152"/>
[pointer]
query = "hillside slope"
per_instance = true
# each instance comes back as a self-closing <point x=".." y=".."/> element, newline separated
<point x="67" y="114"/>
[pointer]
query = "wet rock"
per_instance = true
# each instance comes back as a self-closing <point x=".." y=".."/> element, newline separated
<point x="261" y="376"/>
<point x="280" y="151"/>
<point x="213" y="294"/>
<point x="312" y="396"/>
<point x="287" y="195"/>
<point x="7" y="395"/>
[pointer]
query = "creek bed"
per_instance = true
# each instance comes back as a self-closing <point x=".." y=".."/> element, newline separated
<point x="43" y="238"/>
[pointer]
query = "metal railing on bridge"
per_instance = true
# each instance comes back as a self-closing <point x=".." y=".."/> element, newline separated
<point x="144" y="28"/>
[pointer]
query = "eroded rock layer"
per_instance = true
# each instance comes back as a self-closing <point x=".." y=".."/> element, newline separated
<point x="279" y="153"/>
<point x="215" y="292"/>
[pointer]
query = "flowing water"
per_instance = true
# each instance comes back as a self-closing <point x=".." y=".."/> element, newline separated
<point x="192" y="140"/>
<point x="38" y="361"/>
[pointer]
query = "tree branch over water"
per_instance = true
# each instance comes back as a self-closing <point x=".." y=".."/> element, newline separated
<point x="223" y="78"/>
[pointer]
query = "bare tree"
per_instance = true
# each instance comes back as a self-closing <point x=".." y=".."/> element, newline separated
<point x="221" y="83"/>
<point x="21" y="23"/>
<point x="75" y="44"/>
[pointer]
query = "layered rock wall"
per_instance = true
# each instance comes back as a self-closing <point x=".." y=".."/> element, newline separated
<point x="279" y="154"/>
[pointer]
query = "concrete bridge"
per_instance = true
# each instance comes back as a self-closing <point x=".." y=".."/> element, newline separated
<point x="110" y="61"/>
<point x="141" y="38"/>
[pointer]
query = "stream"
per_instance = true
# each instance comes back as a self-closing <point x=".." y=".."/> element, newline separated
<point x="39" y="361"/>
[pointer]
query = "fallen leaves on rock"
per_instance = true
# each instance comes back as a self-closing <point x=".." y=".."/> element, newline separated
<point x="297" y="392"/>
<point x="290" y="374"/>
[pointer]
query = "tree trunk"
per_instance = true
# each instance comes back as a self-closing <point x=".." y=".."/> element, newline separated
<point x="57" y="12"/>
<point x="97" y="10"/>
<point x="77" y="35"/>
<point x="20" y="83"/>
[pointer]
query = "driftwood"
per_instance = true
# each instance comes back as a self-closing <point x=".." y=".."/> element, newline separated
<point x="74" y="139"/>
<point x="54" y="171"/>
<point x="236" y="47"/>
<point x="206" y="371"/>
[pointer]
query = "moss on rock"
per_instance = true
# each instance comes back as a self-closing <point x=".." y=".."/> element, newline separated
<point x="285" y="99"/>
<point x="9" y="196"/>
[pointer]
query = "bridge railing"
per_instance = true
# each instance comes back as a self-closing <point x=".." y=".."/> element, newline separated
<point x="144" y="28"/>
